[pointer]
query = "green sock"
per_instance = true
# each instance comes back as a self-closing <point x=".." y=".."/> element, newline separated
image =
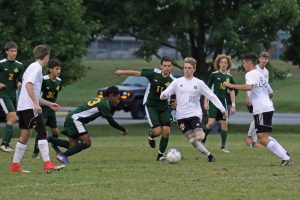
<point x="163" y="144"/>
<point x="76" y="149"/>
<point x="223" y="138"/>
<point x="206" y="131"/>
<point x="8" y="133"/>
<point x="58" y="142"/>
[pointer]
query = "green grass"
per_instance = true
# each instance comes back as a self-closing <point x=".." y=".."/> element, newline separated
<point x="101" y="75"/>
<point x="118" y="167"/>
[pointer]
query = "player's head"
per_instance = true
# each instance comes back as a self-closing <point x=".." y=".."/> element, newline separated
<point x="42" y="53"/>
<point x="11" y="50"/>
<point x="249" y="61"/>
<point x="263" y="58"/>
<point x="166" y="65"/>
<point x="54" y="67"/>
<point x="112" y="94"/>
<point x="222" y="62"/>
<point x="189" y="66"/>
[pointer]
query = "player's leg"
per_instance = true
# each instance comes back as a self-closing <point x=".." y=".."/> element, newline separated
<point x="85" y="142"/>
<point x="212" y="115"/>
<point x="263" y="124"/>
<point x="36" y="151"/>
<point x="223" y="133"/>
<point x="153" y="120"/>
<point x="11" y="118"/>
<point x="165" y="123"/>
<point x="251" y="130"/>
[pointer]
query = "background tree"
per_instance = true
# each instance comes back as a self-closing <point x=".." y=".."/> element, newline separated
<point x="58" y="23"/>
<point x="202" y="29"/>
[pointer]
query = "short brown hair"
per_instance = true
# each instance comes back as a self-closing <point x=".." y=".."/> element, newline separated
<point x="165" y="59"/>
<point x="191" y="61"/>
<point x="219" y="58"/>
<point x="10" y="45"/>
<point x="41" y="51"/>
<point x="54" y="63"/>
<point x="252" y="57"/>
<point x="264" y="54"/>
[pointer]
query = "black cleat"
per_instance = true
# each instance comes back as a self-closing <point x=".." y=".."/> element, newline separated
<point x="211" y="158"/>
<point x="287" y="162"/>
<point x="160" y="157"/>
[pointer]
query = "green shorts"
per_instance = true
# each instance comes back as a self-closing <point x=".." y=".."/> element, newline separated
<point x="157" y="117"/>
<point x="49" y="117"/>
<point x="8" y="104"/>
<point x="73" y="128"/>
<point x="214" y="112"/>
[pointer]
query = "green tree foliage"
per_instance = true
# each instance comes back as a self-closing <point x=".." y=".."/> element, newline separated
<point x="58" y="23"/>
<point x="202" y="29"/>
<point x="292" y="52"/>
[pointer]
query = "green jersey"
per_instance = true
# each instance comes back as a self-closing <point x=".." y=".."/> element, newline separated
<point x="50" y="88"/>
<point x="158" y="83"/>
<point x="91" y="110"/>
<point x="215" y="82"/>
<point x="11" y="73"/>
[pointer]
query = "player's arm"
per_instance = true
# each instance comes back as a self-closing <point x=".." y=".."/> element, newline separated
<point x="244" y="87"/>
<point x="233" y="106"/>
<point x="209" y="84"/>
<point x="30" y="91"/>
<point x="115" y="124"/>
<point x="169" y="91"/>
<point x="53" y="106"/>
<point x="270" y="91"/>
<point x="128" y="72"/>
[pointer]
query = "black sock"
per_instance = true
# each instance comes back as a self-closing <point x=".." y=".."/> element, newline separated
<point x="76" y="149"/>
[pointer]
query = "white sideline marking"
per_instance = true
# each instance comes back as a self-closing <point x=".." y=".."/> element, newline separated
<point x="49" y="185"/>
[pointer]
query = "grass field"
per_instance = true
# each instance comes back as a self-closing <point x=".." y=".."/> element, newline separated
<point x="124" y="168"/>
<point x="101" y="75"/>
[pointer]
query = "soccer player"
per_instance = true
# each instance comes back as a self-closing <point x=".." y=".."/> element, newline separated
<point x="30" y="111"/>
<point x="188" y="90"/>
<point x="157" y="110"/>
<point x="51" y="86"/>
<point x="263" y="109"/>
<point x="74" y="126"/>
<point x="222" y="64"/>
<point x="251" y="139"/>
<point x="11" y="72"/>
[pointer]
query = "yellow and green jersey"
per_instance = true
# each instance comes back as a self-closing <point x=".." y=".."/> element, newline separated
<point x="215" y="83"/>
<point x="50" y="88"/>
<point x="11" y="73"/>
<point x="158" y="83"/>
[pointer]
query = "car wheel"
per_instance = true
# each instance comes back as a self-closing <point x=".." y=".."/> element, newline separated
<point x="138" y="110"/>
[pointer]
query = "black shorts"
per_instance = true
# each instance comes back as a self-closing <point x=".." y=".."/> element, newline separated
<point x="190" y="125"/>
<point x="263" y="122"/>
<point x="28" y="119"/>
<point x="250" y="109"/>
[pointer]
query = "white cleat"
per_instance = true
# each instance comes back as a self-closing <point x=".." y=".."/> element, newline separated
<point x="225" y="150"/>
<point x="5" y="148"/>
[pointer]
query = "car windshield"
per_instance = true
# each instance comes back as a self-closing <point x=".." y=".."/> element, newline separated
<point x="139" y="81"/>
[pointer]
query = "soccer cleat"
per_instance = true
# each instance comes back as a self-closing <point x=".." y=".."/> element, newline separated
<point x="160" y="157"/>
<point x="6" y="148"/>
<point x="225" y="150"/>
<point x="287" y="162"/>
<point x="255" y="145"/>
<point x="15" y="167"/>
<point x="35" y="156"/>
<point x="49" y="166"/>
<point x="62" y="158"/>
<point x="211" y="158"/>
<point x="249" y="142"/>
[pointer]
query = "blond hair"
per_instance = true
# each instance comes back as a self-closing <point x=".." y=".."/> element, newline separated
<point x="191" y="61"/>
<point x="219" y="58"/>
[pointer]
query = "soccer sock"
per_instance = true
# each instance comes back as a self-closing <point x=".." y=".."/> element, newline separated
<point x="274" y="140"/>
<point x="8" y="133"/>
<point x="76" y="149"/>
<point x="44" y="149"/>
<point x="251" y="131"/>
<point x="223" y="138"/>
<point x="278" y="150"/>
<point x="54" y="146"/>
<point x="163" y="144"/>
<point x="206" y="131"/>
<point x="199" y="146"/>
<point x="58" y="142"/>
<point x="36" y="147"/>
<point x="19" y="152"/>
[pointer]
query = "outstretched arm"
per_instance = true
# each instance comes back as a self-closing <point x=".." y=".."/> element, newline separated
<point x="245" y="87"/>
<point x="116" y="125"/>
<point x="128" y="72"/>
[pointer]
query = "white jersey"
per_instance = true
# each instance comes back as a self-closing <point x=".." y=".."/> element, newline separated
<point x="188" y="93"/>
<point x="33" y="74"/>
<point x="265" y="72"/>
<point x="259" y="95"/>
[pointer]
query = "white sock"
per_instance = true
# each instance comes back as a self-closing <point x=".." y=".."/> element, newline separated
<point x="254" y="138"/>
<point x="44" y="149"/>
<point x="251" y="131"/>
<point x="278" y="150"/>
<point x="19" y="152"/>
<point x="199" y="146"/>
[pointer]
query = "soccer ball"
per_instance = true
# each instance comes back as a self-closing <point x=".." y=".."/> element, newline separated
<point x="173" y="156"/>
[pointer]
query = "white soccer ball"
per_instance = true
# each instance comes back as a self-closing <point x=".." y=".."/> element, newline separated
<point x="173" y="156"/>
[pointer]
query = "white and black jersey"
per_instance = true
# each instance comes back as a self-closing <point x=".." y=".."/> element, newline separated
<point x="188" y="93"/>
<point x="259" y="94"/>
<point x="33" y="74"/>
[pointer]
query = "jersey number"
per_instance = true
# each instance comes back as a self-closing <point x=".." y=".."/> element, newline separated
<point x="10" y="77"/>
<point x="159" y="89"/>
<point x="50" y="95"/>
<point x="222" y="87"/>
<point x="94" y="102"/>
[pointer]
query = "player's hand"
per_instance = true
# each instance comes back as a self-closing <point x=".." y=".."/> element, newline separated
<point x="19" y="85"/>
<point x="54" y="106"/>
<point x="2" y="85"/>
<point x="118" y="72"/>
<point x="232" y="110"/>
<point x="224" y="115"/>
<point x="227" y="84"/>
<point x="163" y="96"/>
<point x="38" y="108"/>
<point x="173" y="105"/>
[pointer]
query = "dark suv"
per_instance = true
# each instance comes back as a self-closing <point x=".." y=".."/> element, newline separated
<point x="132" y="92"/>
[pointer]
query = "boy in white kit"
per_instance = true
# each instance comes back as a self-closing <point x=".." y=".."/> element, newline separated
<point x="263" y="109"/>
<point x="29" y="111"/>
<point x="188" y="90"/>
